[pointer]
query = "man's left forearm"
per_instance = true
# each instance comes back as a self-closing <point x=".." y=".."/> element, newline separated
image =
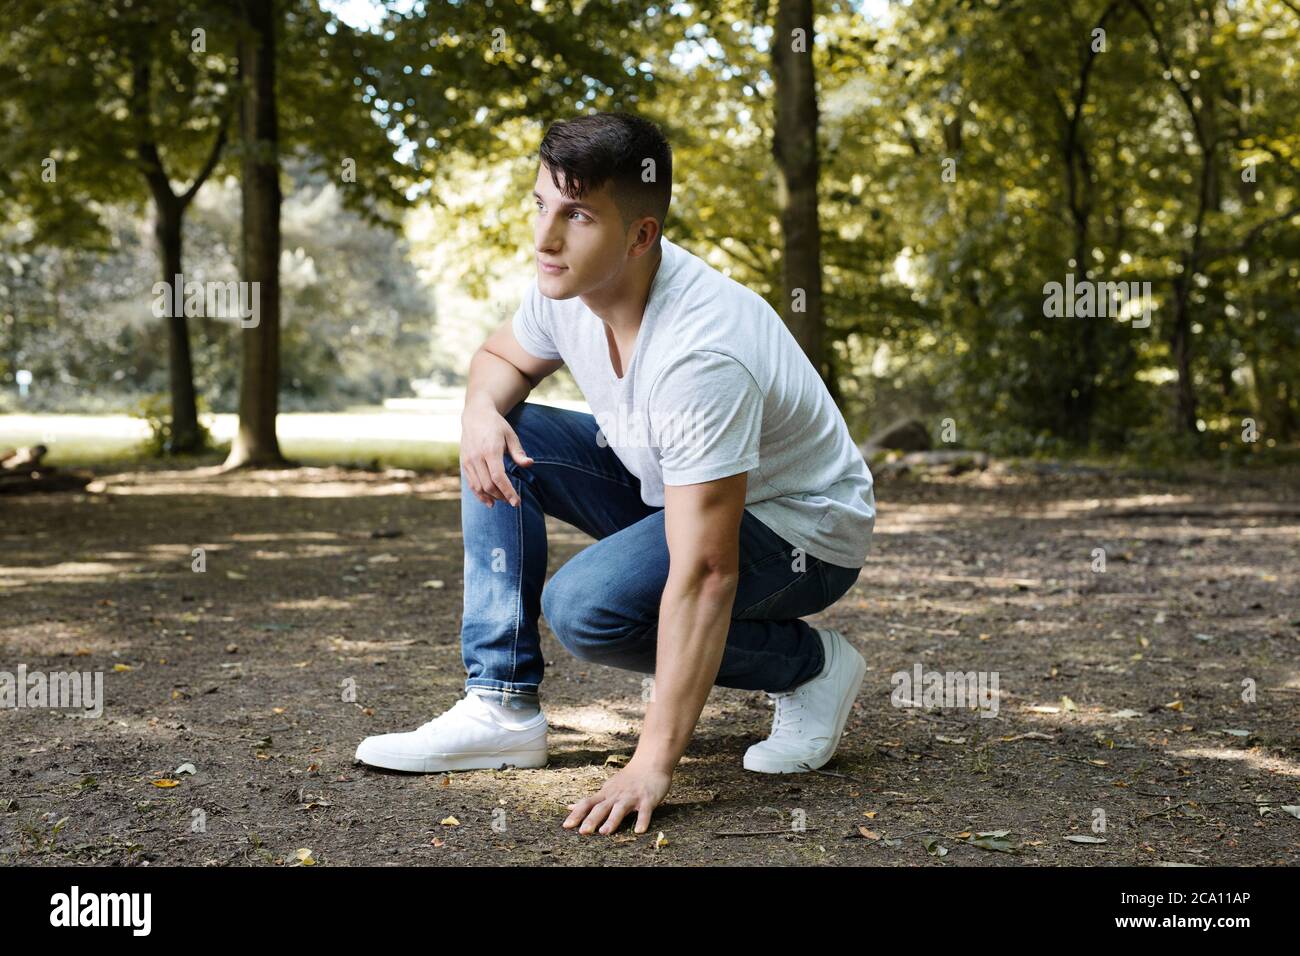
<point x="694" y="619"/>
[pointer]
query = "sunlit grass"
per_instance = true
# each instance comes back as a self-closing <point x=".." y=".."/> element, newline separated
<point x="86" y="451"/>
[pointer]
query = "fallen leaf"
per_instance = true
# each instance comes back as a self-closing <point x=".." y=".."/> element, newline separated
<point x="868" y="834"/>
<point x="995" y="840"/>
<point x="449" y="822"/>
<point x="1083" y="838"/>
<point x="932" y="846"/>
<point x="166" y="782"/>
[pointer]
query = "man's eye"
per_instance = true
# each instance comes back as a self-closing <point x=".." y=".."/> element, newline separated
<point x="576" y="212"/>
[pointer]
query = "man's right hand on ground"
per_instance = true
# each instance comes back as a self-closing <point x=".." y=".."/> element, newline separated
<point x="484" y="437"/>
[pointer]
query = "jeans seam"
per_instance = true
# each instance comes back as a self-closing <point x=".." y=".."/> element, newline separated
<point x="519" y="587"/>
<point x="586" y="471"/>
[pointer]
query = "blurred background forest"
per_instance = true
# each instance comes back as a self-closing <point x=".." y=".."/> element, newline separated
<point x="966" y="155"/>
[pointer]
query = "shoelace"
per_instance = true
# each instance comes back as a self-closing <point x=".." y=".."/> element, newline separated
<point x="789" y="712"/>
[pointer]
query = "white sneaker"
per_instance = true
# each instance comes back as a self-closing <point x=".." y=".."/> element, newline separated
<point x="467" y="737"/>
<point x="808" y="721"/>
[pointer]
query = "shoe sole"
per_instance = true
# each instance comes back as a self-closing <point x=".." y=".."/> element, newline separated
<point x="436" y="763"/>
<point x="764" y="764"/>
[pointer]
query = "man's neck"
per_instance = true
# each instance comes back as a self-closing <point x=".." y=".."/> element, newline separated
<point x="622" y="307"/>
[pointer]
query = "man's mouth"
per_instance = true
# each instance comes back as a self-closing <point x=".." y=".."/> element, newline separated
<point x="547" y="267"/>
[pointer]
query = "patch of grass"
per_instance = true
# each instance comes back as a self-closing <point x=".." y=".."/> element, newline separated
<point x="109" y="453"/>
<point x="374" y="453"/>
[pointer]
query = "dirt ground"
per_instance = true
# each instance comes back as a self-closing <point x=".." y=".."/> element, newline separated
<point x="1161" y="694"/>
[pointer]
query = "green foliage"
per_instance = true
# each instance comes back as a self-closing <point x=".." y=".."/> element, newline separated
<point x="156" y="410"/>
<point x="1124" y="164"/>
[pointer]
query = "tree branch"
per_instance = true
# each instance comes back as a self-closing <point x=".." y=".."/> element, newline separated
<point x="213" y="157"/>
<point x="148" y="158"/>
<point x="1251" y="236"/>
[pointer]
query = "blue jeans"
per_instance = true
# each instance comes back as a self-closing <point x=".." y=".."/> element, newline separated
<point x="603" y="604"/>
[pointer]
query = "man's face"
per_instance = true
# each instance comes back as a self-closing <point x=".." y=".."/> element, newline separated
<point x="585" y="236"/>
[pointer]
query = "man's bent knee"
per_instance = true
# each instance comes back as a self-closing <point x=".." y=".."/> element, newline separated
<point x="588" y="631"/>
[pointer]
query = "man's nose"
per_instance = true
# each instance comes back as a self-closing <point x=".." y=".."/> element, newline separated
<point x="547" y="234"/>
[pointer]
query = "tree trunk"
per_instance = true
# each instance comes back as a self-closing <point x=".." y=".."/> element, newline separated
<point x="1180" y="348"/>
<point x="185" y="420"/>
<point x="794" y="145"/>
<point x="255" y="442"/>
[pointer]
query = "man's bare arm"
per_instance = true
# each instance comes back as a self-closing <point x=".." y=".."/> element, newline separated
<point x="501" y="374"/>
<point x="702" y="525"/>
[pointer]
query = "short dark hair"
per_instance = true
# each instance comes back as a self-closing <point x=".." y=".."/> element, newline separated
<point x="612" y="147"/>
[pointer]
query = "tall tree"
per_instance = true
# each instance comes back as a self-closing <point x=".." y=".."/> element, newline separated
<point x="255" y="441"/>
<point x="169" y="216"/>
<point x="117" y="101"/>
<point x="794" y="144"/>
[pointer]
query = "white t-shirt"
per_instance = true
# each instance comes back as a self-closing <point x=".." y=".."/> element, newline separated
<point x="716" y="385"/>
